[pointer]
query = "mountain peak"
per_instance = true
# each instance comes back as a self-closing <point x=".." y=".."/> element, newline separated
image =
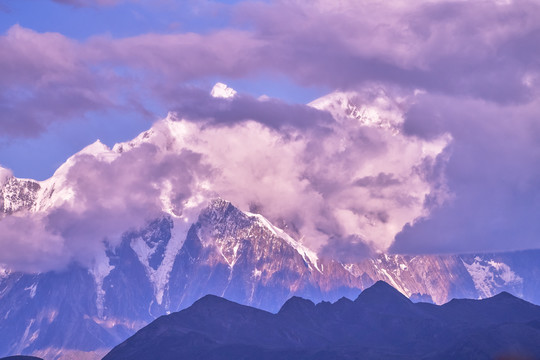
<point x="296" y="305"/>
<point x="210" y="300"/>
<point x="379" y="329"/>
<point x="221" y="90"/>
<point x="212" y="304"/>
<point x="505" y="297"/>
<point x="216" y="209"/>
<point x="96" y="148"/>
<point x="382" y="293"/>
<point x="372" y="108"/>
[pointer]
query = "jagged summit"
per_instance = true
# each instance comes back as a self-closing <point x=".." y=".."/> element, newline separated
<point x="375" y="109"/>
<point x="383" y="294"/>
<point x="217" y="209"/>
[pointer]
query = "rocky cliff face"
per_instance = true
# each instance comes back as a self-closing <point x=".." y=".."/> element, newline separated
<point x="230" y="253"/>
<point x="241" y="256"/>
<point x="17" y="194"/>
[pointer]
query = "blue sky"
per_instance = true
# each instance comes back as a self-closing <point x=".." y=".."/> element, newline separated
<point x="37" y="157"/>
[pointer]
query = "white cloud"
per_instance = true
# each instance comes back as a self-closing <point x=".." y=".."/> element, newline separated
<point x="357" y="177"/>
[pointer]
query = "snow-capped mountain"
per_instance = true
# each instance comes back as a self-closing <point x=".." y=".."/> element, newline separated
<point x="229" y="253"/>
<point x="187" y="241"/>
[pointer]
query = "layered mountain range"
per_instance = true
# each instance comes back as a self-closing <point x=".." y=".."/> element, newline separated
<point x="228" y="253"/>
<point x="195" y="244"/>
<point x="380" y="323"/>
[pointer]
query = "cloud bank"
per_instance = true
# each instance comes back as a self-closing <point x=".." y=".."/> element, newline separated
<point x="330" y="178"/>
<point x="483" y="50"/>
<point x="493" y="172"/>
<point x="451" y="72"/>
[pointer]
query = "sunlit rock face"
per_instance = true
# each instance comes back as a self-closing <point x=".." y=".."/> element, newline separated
<point x="243" y="257"/>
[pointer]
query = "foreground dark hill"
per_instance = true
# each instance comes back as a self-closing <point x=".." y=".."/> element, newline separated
<point x="380" y="324"/>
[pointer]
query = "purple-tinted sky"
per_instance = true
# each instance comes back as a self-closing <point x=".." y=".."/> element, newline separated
<point x="72" y="71"/>
<point x="35" y="148"/>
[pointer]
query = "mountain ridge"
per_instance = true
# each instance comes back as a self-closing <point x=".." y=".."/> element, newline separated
<point x="193" y="242"/>
<point x="263" y="270"/>
<point x="334" y="331"/>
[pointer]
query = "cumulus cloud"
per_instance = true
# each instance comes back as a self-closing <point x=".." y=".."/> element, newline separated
<point x="356" y="179"/>
<point x="109" y="198"/>
<point x="480" y="49"/>
<point x="29" y="246"/>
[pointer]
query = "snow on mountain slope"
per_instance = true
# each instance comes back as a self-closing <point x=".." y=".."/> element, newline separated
<point x="174" y="135"/>
<point x="437" y="277"/>
<point x="41" y="196"/>
<point x="380" y="111"/>
<point x="490" y="276"/>
<point x="56" y="190"/>
<point x="158" y="258"/>
<point x="221" y="90"/>
<point x="391" y="193"/>
<point x="309" y="256"/>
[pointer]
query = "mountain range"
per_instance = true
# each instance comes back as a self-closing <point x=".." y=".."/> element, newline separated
<point x="380" y="324"/>
<point x="207" y="246"/>
<point x="228" y="253"/>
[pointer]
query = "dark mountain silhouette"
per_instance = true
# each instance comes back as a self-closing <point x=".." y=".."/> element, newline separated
<point x="380" y="324"/>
